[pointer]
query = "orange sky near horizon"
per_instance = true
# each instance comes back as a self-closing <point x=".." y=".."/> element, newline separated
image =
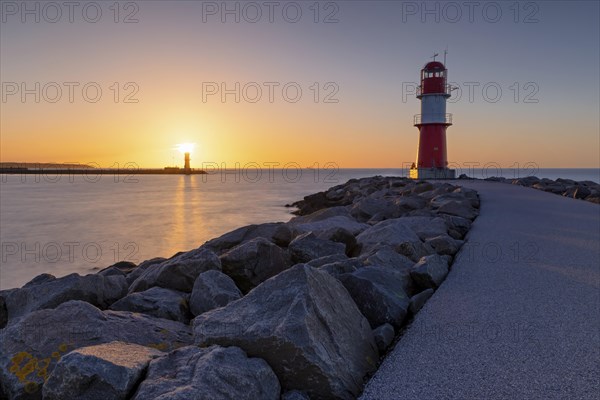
<point x="146" y="135"/>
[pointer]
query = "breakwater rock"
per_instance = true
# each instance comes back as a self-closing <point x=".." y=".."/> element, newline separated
<point x="302" y="309"/>
<point x="583" y="190"/>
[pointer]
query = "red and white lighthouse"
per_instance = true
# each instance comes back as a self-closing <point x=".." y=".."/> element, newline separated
<point x="432" y="159"/>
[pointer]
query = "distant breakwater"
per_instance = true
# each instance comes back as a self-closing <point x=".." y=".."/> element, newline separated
<point x="100" y="171"/>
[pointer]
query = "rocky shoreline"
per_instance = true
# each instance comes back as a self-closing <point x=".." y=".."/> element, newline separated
<point x="296" y="310"/>
<point x="583" y="190"/>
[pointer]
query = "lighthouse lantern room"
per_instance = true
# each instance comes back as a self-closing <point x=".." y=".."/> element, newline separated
<point x="432" y="160"/>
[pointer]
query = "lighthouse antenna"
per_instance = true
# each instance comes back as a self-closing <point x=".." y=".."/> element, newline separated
<point x="445" y="54"/>
<point x="434" y="56"/>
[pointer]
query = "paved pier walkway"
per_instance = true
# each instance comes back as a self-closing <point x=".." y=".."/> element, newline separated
<point x="518" y="316"/>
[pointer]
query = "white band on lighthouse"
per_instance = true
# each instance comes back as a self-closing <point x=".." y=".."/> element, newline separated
<point x="433" y="109"/>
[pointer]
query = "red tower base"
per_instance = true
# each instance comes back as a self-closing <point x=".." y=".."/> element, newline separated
<point x="432" y="173"/>
<point x="431" y="159"/>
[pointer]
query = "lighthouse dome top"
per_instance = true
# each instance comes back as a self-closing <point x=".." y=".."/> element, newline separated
<point x="434" y="65"/>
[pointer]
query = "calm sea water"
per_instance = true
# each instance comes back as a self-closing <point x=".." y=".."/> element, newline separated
<point x="64" y="224"/>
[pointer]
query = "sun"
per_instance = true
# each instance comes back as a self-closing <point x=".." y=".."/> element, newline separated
<point x="185" y="147"/>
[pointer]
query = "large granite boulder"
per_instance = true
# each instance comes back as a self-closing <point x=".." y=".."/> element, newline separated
<point x="469" y="194"/>
<point x="380" y="293"/>
<point x="133" y="275"/>
<point x="121" y="268"/>
<point x="593" y="198"/>
<point x="458" y="208"/>
<point x="577" y="192"/>
<point x="457" y="226"/>
<point x="426" y="227"/>
<point x="444" y="199"/>
<point x="277" y="232"/>
<point x="212" y="289"/>
<point x="178" y="273"/>
<point x="340" y="235"/>
<point x="282" y="235"/>
<point x="318" y="262"/>
<point x="444" y="244"/>
<point x="392" y="232"/>
<point x="410" y="203"/>
<point x="318" y="226"/>
<point x="565" y="181"/>
<point x="157" y="302"/>
<point x="367" y="207"/>
<point x="254" y="261"/>
<point x="414" y="250"/>
<point x="317" y="201"/>
<point x="320" y="215"/>
<point x="105" y="371"/>
<point x="422" y="187"/>
<point x="555" y="188"/>
<point x="31" y="347"/>
<point x="308" y="246"/>
<point x="338" y="268"/>
<point x="305" y="325"/>
<point x="430" y="271"/>
<point x="214" y="373"/>
<point x="50" y="292"/>
<point x="42" y="278"/>
<point x="388" y="257"/>
<point x="531" y="180"/>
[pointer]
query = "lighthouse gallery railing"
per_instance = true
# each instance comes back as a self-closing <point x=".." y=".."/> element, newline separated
<point x="447" y="90"/>
<point x="438" y="118"/>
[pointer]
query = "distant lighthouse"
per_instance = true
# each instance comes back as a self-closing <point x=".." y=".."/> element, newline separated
<point x="186" y="166"/>
<point x="432" y="159"/>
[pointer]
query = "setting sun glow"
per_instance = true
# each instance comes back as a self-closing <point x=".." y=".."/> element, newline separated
<point x="185" y="147"/>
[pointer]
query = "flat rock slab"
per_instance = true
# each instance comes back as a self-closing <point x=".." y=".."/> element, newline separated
<point x="517" y="317"/>
<point x="105" y="371"/>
